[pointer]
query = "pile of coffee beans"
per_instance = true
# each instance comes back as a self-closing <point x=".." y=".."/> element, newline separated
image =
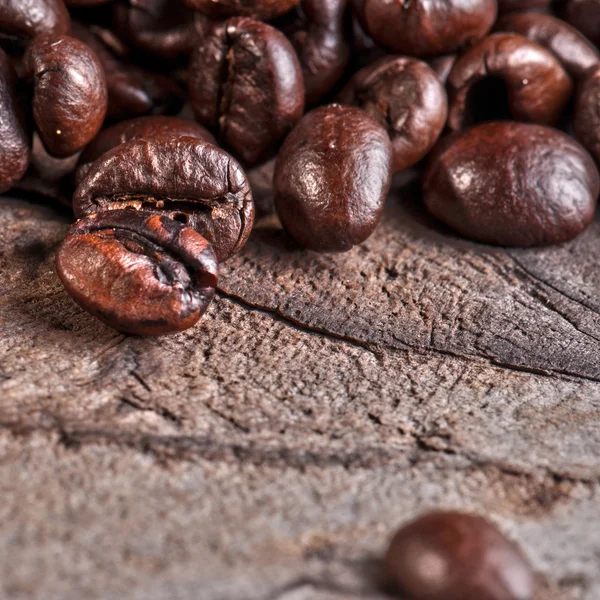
<point x="146" y="115"/>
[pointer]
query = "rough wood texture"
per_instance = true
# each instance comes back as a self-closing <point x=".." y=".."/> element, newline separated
<point x="268" y="453"/>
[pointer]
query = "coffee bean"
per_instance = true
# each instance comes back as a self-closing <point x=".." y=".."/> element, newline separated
<point x="512" y="184"/>
<point x="132" y="90"/>
<point x="184" y="178"/>
<point x="142" y="127"/>
<point x="442" y="65"/>
<point x="245" y="79"/>
<point x="69" y="92"/>
<point x="586" y="120"/>
<point x="407" y="98"/>
<point x="455" y="556"/>
<point x="427" y="27"/>
<point x="139" y="273"/>
<point x="575" y="52"/>
<point x="21" y="21"/>
<point x="16" y="140"/>
<point x="162" y="27"/>
<point x="584" y="15"/>
<point x="319" y="32"/>
<point x="507" y="76"/>
<point x="259" y="9"/>
<point x="331" y="178"/>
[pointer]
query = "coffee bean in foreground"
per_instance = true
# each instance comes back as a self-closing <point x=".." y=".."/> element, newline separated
<point x="456" y="556"/>
<point x="332" y="177"/>
<point x="138" y="272"/>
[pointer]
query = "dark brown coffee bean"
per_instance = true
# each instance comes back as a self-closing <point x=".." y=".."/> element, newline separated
<point x="507" y="76"/>
<point x="69" y="92"/>
<point x="506" y="6"/>
<point x="331" y="178"/>
<point x="132" y="90"/>
<point x="162" y="27"/>
<point x="455" y="556"/>
<point x="584" y="15"/>
<point x="142" y="127"/>
<point x="184" y="178"/>
<point x="513" y="184"/>
<point x="20" y="20"/>
<point x="575" y="52"/>
<point x="139" y="273"/>
<point x="259" y="9"/>
<point x="586" y="121"/>
<point x="427" y="27"/>
<point x="318" y="30"/>
<point x="407" y="98"/>
<point x="245" y="79"/>
<point x="14" y="136"/>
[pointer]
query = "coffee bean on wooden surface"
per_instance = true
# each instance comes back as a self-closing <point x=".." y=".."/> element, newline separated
<point x="512" y="184"/>
<point x="184" y="178"/>
<point x="137" y="272"/>
<point x="456" y="556"/>
<point x="331" y="178"/>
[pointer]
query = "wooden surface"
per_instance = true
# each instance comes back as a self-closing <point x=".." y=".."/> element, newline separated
<point x="268" y="453"/>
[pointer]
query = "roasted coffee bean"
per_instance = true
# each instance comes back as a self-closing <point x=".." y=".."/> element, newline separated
<point x="69" y="92"/>
<point x="319" y="32"/>
<point x="259" y="9"/>
<point x="505" y="6"/>
<point x="246" y="79"/>
<point x="455" y="556"/>
<point x="586" y="120"/>
<point x="162" y="27"/>
<point x="427" y="27"/>
<point x="584" y="15"/>
<point x="407" y="98"/>
<point x="14" y="136"/>
<point x="507" y="76"/>
<point x="512" y="184"/>
<point x="139" y="273"/>
<point x="575" y="52"/>
<point x="331" y="178"/>
<point x="20" y="20"/>
<point x="142" y="127"/>
<point x="186" y="179"/>
<point x="132" y="90"/>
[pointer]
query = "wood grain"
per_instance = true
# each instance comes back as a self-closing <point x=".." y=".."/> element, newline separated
<point x="268" y="453"/>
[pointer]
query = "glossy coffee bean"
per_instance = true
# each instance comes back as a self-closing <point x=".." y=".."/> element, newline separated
<point x="162" y="27"/>
<point x="584" y="15"/>
<point x="507" y="76"/>
<point x="259" y="9"/>
<point x="69" y="92"/>
<point x="442" y="65"/>
<point x="14" y="136"/>
<point x="505" y="6"/>
<point x="318" y="30"/>
<point x="246" y="79"/>
<point x="586" y="120"/>
<point x="575" y="52"/>
<point x="132" y="90"/>
<point x="186" y="179"/>
<point x="331" y="178"/>
<point x="455" y="556"/>
<point x="22" y="20"/>
<point x="142" y="127"/>
<point x="512" y="184"/>
<point x="407" y="98"/>
<point x="139" y="273"/>
<point x="427" y="27"/>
